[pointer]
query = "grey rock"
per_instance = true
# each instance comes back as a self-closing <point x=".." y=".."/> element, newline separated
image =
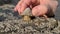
<point x="12" y="25"/>
<point x="27" y="12"/>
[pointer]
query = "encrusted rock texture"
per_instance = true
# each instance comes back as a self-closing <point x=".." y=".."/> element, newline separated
<point x="12" y="23"/>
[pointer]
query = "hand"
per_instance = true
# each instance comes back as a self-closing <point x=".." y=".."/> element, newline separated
<point x="39" y="7"/>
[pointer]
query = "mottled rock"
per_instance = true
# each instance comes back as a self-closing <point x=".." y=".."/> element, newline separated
<point x="14" y="2"/>
<point x="15" y="24"/>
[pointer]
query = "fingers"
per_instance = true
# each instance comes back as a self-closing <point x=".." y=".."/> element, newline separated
<point x="22" y="7"/>
<point x="53" y="5"/>
<point x="39" y="10"/>
<point x="18" y="5"/>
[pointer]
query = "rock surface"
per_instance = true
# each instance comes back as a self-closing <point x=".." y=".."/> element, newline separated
<point x="14" y="2"/>
<point x="12" y="23"/>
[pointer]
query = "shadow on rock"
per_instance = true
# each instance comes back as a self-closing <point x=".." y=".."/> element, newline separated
<point x="2" y="18"/>
<point x="10" y="13"/>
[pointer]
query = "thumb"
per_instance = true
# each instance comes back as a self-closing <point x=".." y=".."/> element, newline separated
<point x="22" y="8"/>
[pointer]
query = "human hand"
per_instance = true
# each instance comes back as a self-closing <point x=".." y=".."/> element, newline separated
<point x="39" y="7"/>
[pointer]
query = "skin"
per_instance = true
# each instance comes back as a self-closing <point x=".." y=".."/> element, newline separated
<point x="39" y="7"/>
